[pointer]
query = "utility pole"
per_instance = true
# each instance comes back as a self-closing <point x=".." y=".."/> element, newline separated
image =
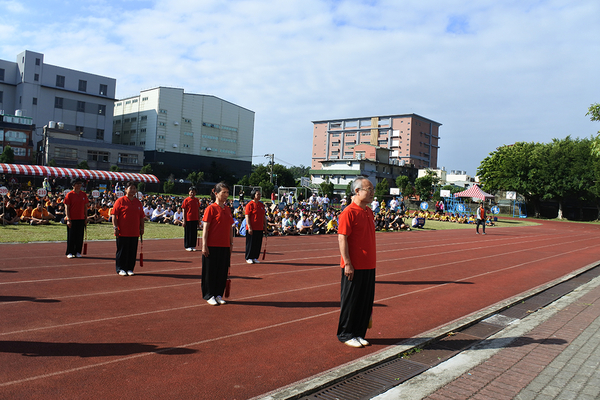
<point x="271" y="163"/>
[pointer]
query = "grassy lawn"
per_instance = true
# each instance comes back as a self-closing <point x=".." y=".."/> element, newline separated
<point x="58" y="232"/>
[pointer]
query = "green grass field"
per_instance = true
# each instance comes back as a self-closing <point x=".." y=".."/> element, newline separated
<point x="56" y="232"/>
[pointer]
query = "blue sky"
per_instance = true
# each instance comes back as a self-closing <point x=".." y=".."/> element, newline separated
<point x="492" y="72"/>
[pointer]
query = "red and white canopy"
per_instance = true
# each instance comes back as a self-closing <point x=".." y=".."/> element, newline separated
<point x="475" y="192"/>
<point x="57" y="172"/>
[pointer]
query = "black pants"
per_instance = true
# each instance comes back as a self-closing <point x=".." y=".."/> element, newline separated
<point x="482" y="222"/>
<point x="215" y="268"/>
<point x="253" y="244"/>
<point x="190" y="234"/>
<point x="126" y="253"/>
<point x="75" y="236"/>
<point x="357" y="298"/>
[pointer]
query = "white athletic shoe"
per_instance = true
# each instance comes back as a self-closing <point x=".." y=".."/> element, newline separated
<point x="212" y="301"/>
<point x="249" y="261"/>
<point x="130" y="273"/>
<point x="362" y="341"/>
<point x="353" y="343"/>
<point x="220" y="300"/>
<point x="70" y="256"/>
<point x="122" y="272"/>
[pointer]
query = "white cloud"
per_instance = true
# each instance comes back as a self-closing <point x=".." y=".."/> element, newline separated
<point x="491" y="72"/>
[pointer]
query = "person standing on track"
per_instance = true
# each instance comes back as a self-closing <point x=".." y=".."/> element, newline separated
<point x="128" y="223"/>
<point x="256" y="225"/>
<point x="217" y="245"/>
<point x="481" y="217"/>
<point x="76" y="204"/>
<point x="356" y="237"/>
<point x="191" y="205"/>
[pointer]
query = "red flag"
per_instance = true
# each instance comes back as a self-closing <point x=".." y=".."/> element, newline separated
<point x="227" y="288"/>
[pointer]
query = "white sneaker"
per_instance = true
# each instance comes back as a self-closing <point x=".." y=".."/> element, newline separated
<point x="189" y="249"/>
<point x="130" y="273"/>
<point x="212" y="301"/>
<point x="255" y="261"/>
<point x="122" y="273"/>
<point x="362" y="341"/>
<point x="248" y="261"/>
<point x="78" y="255"/>
<point x="220" y="300"/>
<point x="353" y="343"/>
<point x="70" y="256"/>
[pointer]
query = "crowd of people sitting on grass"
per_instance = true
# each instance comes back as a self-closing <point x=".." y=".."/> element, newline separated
<point x="314" y="215"/>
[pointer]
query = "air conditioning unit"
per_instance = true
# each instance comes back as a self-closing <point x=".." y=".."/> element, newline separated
<point x="116" y="133"/>
<point x="176" y="123"/>
<point x="174" y="145"/>
<point x="208" y="149"/>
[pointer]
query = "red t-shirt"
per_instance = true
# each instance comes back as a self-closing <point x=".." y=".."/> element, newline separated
<point x="191" y="205"/>
<point x="255" y="210"/>
<point x="129" y="213"/>
<point x="219" y="230"/>
<point x="359" y="228"/>
<point x="77" y="203"/>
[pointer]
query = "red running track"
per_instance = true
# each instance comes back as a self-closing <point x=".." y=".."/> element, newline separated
<point x="74" y="329"/>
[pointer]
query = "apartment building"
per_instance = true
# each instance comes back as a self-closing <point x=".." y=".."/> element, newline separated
<point x="185" y="130"/>
<point x="411" y="139"/>
<point x="16" y="131"/>
<point x="81" y="101"/>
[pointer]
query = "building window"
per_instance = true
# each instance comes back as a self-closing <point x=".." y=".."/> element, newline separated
<point x="144" y="98"/>
<point x="162" y="124"/>
<point x="134" y="100"/>
<point x="103" y="90"/>
<point x="79" y="129"/>
<point x="101" y="109"/>
<point x="98" y="156"/>
<point x="34" y="101"/>
<point x="58" y="102"/>
<point x="132" y="143"/>
<point x="187" y="121"/>
<point x="143" y="130"/>
<point x="133" y="119"/>
<point x="161" y="136"/>
<point x="64" y="152"/>
<point x="143" y="118"/>
<point x="160" y="150"/>
<point x="82" y="86"/>
<point x="14" y="136"/>
<point x="81" y="106"/>
<point x="162" y="111"/>
<point x="186" y="145"/>
<point x="60" y="81"/>
<point x="142" y="143"/>
<point x="128" y="102"/>
<point x="19" y="151"/>
<point x="1" y="74"/>
<point x="36" y="77"/>
<point x="100" y="134"/>
<point x="1" y="96"/>
<point x="38" y="61"/>
<point x="188" y="133"/>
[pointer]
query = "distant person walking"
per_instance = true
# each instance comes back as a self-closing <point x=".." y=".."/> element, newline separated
<point x="217" y="245"/>
<point x="128" y="223"/>
<point x="191" y="218"/>
<point x="481" y="217"/>
<point x="256" y="226"/>
<point x="76" y="204"/>
<point x="356" y="237"/>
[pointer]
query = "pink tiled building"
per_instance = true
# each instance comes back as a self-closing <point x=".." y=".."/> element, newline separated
<point x="411" y="139"/>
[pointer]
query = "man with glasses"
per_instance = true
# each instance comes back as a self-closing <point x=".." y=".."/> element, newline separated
<point x="356" y="237"/>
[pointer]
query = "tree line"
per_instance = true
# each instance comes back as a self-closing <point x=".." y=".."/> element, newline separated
<point x="562" y="169"/>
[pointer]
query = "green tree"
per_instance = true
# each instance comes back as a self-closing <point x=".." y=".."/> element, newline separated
<point x="327" y="188"/>
<point x="423" y="187"/>
<point x="146" y="169"/>
<point x="403" y="183"/>
<point x="52" y="163"/>
<point x="141" y="187"/>
<point x="382" y="189"/>
<point x="169" y="184"/>
<point x="196" y="178"/>
<point x="512" y="168"/>
<point x="260" y="177"/>
<point x="82" y="165"/>
<point x="299" y="172"/>
<point x="7" y="156"/>
<point x="115" y="168"/>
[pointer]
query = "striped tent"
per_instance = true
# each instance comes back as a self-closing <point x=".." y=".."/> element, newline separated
<point x="474" y="192"/>
<point x="57" y="172"/>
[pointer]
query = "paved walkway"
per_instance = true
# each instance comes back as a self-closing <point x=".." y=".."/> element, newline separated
<point x="552" y="354"/>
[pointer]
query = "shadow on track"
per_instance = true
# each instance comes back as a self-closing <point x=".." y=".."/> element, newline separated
<point x="48" y="349"/>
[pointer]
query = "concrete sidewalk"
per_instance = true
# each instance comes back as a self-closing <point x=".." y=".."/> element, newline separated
<point x="553" y="353"/>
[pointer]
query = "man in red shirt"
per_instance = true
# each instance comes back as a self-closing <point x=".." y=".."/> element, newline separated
<point x="76" y="203"/>
<point x="356" y="237"/>
<point x="191" y="206"/>
<point x="256" y="226"/>
<point x="128" y="223"/>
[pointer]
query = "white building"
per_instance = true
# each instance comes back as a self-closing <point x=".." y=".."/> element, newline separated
<point x="83" y="102"/>
<point x="454" y="177"/>
<point x="184" y="130"/>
